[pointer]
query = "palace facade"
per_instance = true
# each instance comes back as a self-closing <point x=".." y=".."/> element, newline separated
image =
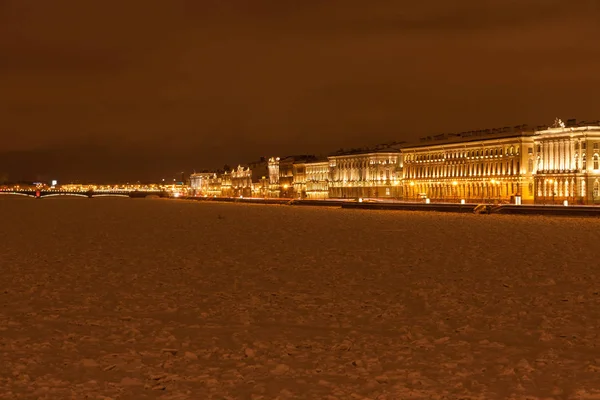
<point x="512" y="164"/>
<point x="199" y="183"/>
<point x="476" y="167"/>
<point x="369" y="175"/>
<point x="317" y="180"/>
<point x="566" y="163"/>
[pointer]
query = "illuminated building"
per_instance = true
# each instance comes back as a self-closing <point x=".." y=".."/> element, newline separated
<point x="241" y="181"/>
<point x="317" y="179"/>
<point x="224" y="181"/>
<point x="299" y="172"/>
<point x="200" y="183"/>
<point x="260" y="180"/>
<point x="287" y="176"/>
<point x="566" y="163"/>
<point x="273" y="166"/>
<point x="511" y="164"/>
<point x="216" y="182"/>
<point x="492" y="165"/>
<point x="376" y="174"/>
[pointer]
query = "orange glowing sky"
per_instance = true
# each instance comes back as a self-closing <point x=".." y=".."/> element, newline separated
<point x="117" y="90"/>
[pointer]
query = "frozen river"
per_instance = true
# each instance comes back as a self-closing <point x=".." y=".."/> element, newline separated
<point x="144" y="299"/>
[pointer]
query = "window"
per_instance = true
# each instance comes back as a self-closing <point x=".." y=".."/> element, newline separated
<point x="531" y="188"/>
<point x="595" y="192"/>
<point x="576" y="145"/>
<point x="530" y="150"/>
<point x="583" y="162"/>
<point x="583" y="146"/>
<point x="596" y="146"/>
<point x="530" y="165"/>
<point x="595" y="159"/>
<point x="387" y="191"/>
<point x="539" y="148"/>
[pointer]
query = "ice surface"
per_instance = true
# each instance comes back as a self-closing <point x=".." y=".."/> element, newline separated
<point x="145" y="299"/>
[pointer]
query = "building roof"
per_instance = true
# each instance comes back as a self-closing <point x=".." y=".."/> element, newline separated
<point x="467" y="139"/>
<point x="506" y="132"/>
<point x="298" y="158"/>
<point x="390" y="147"/>
<point x="310" y="159"/>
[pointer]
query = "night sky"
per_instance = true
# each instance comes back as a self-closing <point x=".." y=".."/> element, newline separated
<point x="142" y="90"/>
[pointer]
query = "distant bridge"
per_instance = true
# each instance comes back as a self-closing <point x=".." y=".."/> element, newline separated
<point x="90" y="193"/>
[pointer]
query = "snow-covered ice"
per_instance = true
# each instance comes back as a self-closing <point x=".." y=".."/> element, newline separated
<point x="162" y="299"/>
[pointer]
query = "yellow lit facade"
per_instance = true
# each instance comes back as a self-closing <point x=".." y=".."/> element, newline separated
<point x="567" y="164"/>
<point x="513" y="164"/>
<point x="368" y="175"/>
<point x="241" y="181"/>
<point x="489" y="168"/>
<point x="273" y="167"/>
<point x="200" y="183"/>
<point x="317" y="180"/>
<point x="287" y="176"/>
<point x="299" y="181"/>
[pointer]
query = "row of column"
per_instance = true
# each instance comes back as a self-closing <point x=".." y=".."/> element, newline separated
<point x="511" y="167"/>
<point x="558" y="154"/>
<point x="466" y="191"/>
<point x="363" y="174"/>
<point x="561" y="187"/>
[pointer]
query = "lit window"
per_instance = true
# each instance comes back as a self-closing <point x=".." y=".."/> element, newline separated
<point x="595" y="161"/>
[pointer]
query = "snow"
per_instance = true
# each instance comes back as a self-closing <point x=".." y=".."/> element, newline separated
<point x="170" y="299"/>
